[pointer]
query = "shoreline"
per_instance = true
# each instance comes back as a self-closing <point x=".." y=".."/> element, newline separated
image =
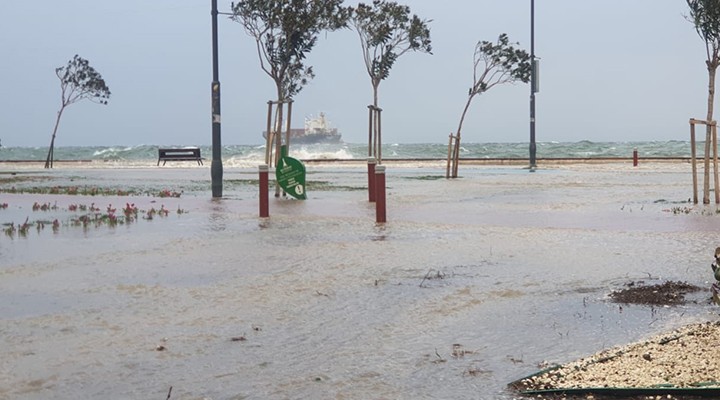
<point x="514" y="161"/>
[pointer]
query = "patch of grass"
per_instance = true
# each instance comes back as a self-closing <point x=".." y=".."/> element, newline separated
<point x="426" y="177"/>
<point x="70" y="190"/>
<point x="329" y="187"/>
<point x="692" y="210"/>
<point x="664" y="201"/>
<point x="681" y="210"/>
<point x="15" y="177"/>
<point x="311" y="185"/>
<point x="242" y="182"/>
<point x="91" y="191"/>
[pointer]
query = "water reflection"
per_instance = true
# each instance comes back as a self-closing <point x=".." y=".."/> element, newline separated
<point x="218" y="216"/>
<point x="380" y="234"/>
<point x="264" y="223"/>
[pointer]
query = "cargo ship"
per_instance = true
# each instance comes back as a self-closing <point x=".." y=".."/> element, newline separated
<point x="316" y="130"/>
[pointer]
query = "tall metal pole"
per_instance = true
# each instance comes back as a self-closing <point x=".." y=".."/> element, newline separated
<point x="533" y="83"/>
<point x="216" y="169"/>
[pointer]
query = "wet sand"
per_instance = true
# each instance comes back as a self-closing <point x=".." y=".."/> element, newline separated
<point x="473" y="283"/>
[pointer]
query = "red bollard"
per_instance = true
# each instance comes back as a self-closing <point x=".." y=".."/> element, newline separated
<point x="635" y="157"/>
<point x="264" y="188"/>
<point x="371" y="179"/>
<point x="380" y="215"/>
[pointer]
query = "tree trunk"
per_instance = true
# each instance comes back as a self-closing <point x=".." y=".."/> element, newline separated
<point x="278" y="125"/>
<point x="462" y="117"/>
<point x="376" y="85"/>
<point x="51" y="150"/>
<point x="373" y="139"/>
<point x="279" y="130"/>
<point x="712" y="68"/>
<point x="456" y="149"/>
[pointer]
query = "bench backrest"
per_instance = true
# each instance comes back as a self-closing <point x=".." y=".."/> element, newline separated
<point x="195" y="152"/>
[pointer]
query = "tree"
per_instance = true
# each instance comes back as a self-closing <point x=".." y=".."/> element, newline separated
<point x="285" y="31"/>
<point x="493" y="64"/>
<point x="387" y="31"/>
<point x="705" y="15"/>
<point x="78" y="81"/>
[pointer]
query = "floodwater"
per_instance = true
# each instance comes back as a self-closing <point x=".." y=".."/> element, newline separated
<point x="471" y="284"/>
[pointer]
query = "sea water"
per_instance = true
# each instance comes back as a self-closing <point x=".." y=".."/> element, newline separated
<point x="250" y="155"/>
<point x="472" y="283"/>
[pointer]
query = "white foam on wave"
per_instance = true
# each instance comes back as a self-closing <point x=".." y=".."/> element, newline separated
<point x="113" y="150"/>
<point x="305" y="153"/>
<point x="244" y="161"/>
<point x="102" y="152"/>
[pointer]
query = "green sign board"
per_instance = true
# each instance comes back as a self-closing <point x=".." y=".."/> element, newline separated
<point x="290" y="174"/>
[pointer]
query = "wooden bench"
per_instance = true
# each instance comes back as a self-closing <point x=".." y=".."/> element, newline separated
<point x="181" y="154"/>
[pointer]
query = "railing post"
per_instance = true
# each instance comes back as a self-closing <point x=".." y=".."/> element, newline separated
<point x="380" y="211"/>
<point x="635" y="157"/>
<point x="264" y="189"/>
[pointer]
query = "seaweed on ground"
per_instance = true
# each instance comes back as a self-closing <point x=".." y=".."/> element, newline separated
<point x="665" y="294"/>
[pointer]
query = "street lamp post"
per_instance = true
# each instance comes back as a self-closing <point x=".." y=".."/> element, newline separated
<point x="533" y="85"/>
<point x="216" y="169"/>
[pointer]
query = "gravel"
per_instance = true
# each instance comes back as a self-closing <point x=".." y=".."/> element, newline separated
<point x="688" y="357"/>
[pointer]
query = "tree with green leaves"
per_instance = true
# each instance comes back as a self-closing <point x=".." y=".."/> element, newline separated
<point x="387" y="31"/>
<point x="493" y="64"/>
<point x="705" y="15"/>
<point x="78" y="81"/>
<point x="285" y="32"/>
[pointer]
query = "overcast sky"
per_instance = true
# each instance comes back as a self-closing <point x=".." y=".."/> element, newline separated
<point x="611" y="70"/>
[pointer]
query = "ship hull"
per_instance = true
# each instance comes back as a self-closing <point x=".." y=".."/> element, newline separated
<point x="313" y="138"/>
<point x="316" y="131"/>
